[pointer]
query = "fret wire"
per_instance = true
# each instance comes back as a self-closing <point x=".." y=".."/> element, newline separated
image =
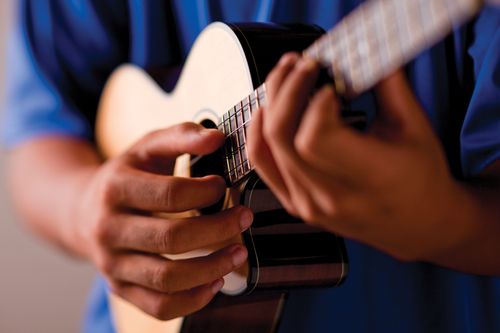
<point x="363" y="44"/>
<point x="228" y="166"/>
<point x="257" y="98"/>
<point x="238" y="139"/>
<point x="239" y="127"/>
<point x="369" y="42"/>
<point x="239" y="114"/>
<point x="389" y="31"/>
<point x="334" y="64"/>
<point x="355" y="64"/>
<point x="422" y="18"/>
<point x="232" y="140"/>
<point x="399" y="27"/>
<point x="411" y="15"/>
<point x="227" y="128"/>
<point x="251" y="101"/>
<point x="239" y="165"/>
<point x="327" y="50"/>
<point x="442" y="16"/>
<point x="437" y="10"/>
<point x="381" y="45"/>
<point x="232" y="131"/>
<point x="430" y="18"/>
<point x="402" y="41"/>
<point x="242" y="166"/>
<point x="360" y="48"/>
<point x="449" y="11"/>
<point x="393" y="34"/>
<point x="347" y="60"/>
<point x="373" y="43"/>
<point x="247" y="110"/>
<point x="385" y="35"/>
<point x="244" y="135"/>
<point x="408" y="42"/>
<point x="229" y="138"/>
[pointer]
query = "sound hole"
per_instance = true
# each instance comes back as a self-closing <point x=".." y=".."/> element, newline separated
<point x="212" y="164"/>
<point x="207" y="123"/>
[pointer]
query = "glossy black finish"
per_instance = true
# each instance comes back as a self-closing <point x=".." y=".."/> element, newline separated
<point x="265" y="43"/>
<point x="284" y="252"/>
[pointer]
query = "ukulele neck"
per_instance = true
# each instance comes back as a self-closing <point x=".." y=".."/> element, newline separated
<point x="234" y="125"/>
<point x="383" y="35"/>
<point x="366" y="46"/>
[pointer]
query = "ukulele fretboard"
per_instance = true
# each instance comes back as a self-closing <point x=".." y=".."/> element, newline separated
<point x="234" y="125"/>
<point x="367" y="45"/>
<point x="382" y="35"/>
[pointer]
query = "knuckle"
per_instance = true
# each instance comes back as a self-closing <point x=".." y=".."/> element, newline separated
<point x="106" y="192"/>
<point x="108" y="189"/>
<point x="106" y="264"/>
<point x="167" y="196"/>
<point x="161" y="277"/>
<point x="100" y="230"/>
<point x="276" y="131"/>
<point x="304" y="144"/>
<point x="223" y="266"/>
<point x="253" y="147"/>
<point x="269" y="132"/>
<point x="166" y="240"/>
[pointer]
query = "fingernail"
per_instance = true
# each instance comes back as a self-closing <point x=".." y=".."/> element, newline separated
<point x="239" y="256"/>
<point x="217" y="285"/>
<point x="246" y="219"/>
<point x="306" y="64"/>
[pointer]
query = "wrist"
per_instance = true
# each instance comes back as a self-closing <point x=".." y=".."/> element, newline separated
<point x="469" y="230"/>
<point x="75" y="214"/>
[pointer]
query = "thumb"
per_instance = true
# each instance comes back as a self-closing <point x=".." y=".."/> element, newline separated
<point x="185" y="138"/>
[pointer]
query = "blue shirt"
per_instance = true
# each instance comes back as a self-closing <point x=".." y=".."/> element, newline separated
<point x="61" y="53"/>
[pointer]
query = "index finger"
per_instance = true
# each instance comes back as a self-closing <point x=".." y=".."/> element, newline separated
<point x="158" y="193"/>
<point x="167" y="144"/>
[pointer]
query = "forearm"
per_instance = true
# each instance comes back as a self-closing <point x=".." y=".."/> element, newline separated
<point x="46" y="178"/>
<point x="472" y="226"/>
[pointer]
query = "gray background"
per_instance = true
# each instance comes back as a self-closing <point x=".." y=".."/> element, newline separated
<point x="41" y="290"/>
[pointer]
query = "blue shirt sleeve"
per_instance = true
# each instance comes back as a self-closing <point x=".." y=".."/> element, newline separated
<point x="480" y="137"/>
<point x="59" y="56"/>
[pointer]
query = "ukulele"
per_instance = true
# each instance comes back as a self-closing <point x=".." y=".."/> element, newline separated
<point x="221" y="85"/>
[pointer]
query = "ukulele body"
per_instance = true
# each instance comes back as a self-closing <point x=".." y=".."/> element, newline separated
<point x="226" y="63"/>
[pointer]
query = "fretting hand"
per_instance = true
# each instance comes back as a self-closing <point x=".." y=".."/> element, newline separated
<point x="389" y="187"/>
